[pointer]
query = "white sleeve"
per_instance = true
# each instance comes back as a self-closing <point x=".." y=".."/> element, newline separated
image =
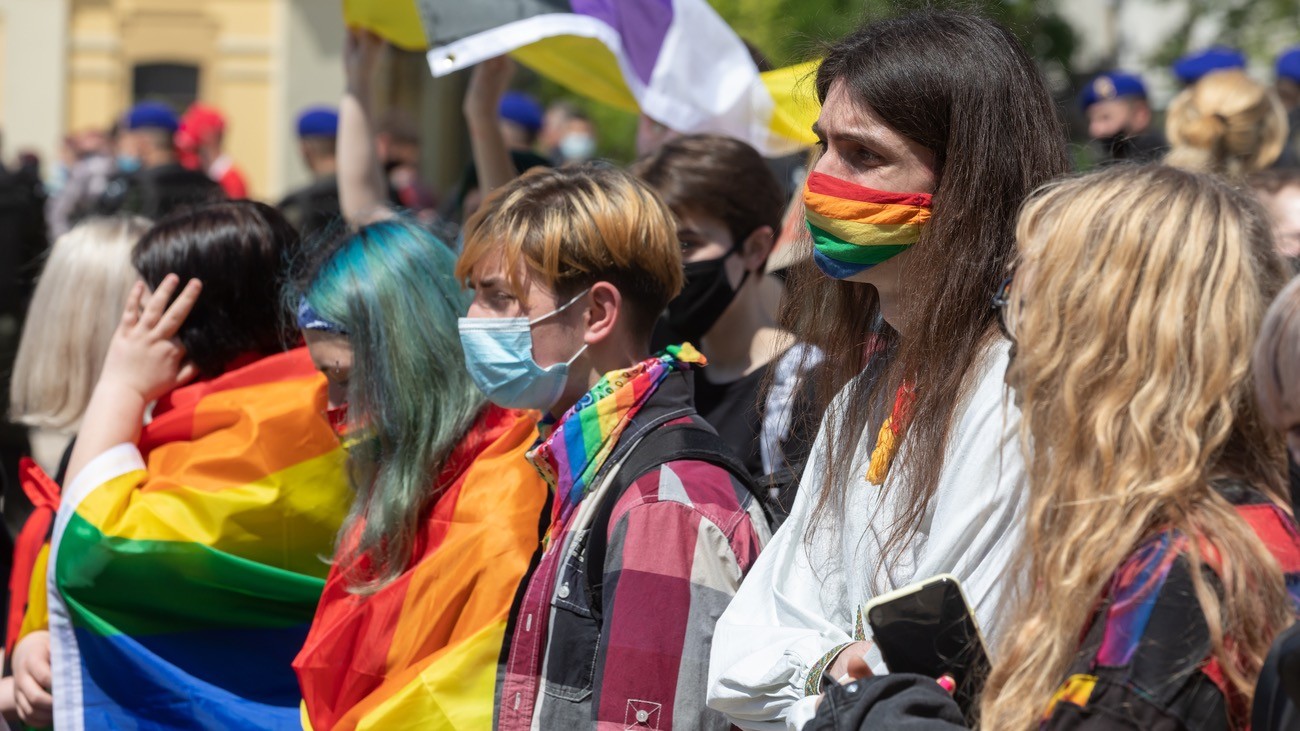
<point x="977" y="511"/>
<point x="777" y="626"/>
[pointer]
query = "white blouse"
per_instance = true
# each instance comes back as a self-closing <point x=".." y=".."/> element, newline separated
<point x="799" y="602"/>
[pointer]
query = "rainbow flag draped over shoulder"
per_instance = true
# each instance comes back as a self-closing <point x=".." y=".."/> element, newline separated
<point x="183" y="573"/>
<point x="677" y="61"/>
<point x="422" y="651"/>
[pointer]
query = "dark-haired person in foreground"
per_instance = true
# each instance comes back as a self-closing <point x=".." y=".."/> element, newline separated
<point x="653" y="523"/>
<point x="755" y="391"/>
<point x="917" y="470"/>
<point x="184" y="566"/>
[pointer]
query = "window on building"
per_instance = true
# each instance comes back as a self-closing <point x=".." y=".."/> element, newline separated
<point x="175" y="84"/>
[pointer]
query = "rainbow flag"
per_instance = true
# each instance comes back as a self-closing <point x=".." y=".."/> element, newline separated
<point x="677" y="61"/>
<point x="183" y="573"/>
<point x="422" y="651"/>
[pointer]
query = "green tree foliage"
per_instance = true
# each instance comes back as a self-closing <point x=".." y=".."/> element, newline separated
<point x="1261" y="28"/>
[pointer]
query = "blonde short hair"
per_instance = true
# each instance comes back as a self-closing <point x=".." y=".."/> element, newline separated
<point x="1226" y="123"/>
<point x="577" y="225"/>
<point x="73" y="315"/>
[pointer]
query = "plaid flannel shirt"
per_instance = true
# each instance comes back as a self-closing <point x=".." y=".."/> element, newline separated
<point x="680" y="540"/>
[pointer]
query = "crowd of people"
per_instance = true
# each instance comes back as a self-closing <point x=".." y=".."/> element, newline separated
<point x="588" y="447"/>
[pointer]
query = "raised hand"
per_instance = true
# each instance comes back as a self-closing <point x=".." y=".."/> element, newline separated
<point x="145" y="355"/>
<point x="361" y="50"/>
<point x="488" y="82"/>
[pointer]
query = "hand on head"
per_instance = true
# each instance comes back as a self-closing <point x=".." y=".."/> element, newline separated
<point x="145" y="355"/>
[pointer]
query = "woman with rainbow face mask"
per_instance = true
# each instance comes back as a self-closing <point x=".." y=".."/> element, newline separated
<point x="446" y="512"/>
<point x="934" y="127"/>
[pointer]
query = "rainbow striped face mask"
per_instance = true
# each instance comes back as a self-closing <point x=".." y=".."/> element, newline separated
<point x="855" y="228"/>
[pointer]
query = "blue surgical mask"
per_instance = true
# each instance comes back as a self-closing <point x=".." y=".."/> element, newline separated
<point x="499" y="355"/>
<point x="128" y="164"/>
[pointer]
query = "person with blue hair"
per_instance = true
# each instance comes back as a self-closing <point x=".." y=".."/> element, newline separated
<point x="1119" y="117"/>
<point x="446" y="512"/>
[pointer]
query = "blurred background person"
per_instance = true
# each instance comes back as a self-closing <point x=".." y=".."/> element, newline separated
<point x="1279" y="190"/>
<point x="1227" y="124"/>
<point x="1120" y="118"/>
<point x="78" y="299"/>
<point x="755" y="393"/>
<point x="200" y="141"/>
<point x="1276" y="367"/>
<point x="87" y="178"/>
<point x="567" y="135"/>
<point x="520" y="117"/>
<point x="397" y="141"/>
<point x="150" y="180"/>
<point x="314" y="207"/>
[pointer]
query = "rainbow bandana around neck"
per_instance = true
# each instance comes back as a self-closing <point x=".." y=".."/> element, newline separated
<point x="855" y="228"/>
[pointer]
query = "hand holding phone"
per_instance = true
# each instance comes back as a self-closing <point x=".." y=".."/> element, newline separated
<point x="928" y="628"/>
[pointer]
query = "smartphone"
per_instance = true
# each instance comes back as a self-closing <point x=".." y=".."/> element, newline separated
<point x="928" y="628"/>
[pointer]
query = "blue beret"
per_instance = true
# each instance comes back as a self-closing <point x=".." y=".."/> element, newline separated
<point x="521" y="109"/>
<point x="152" y="115"/>
<point x="318" y="122"/>
<point x="1288" y="64"/>
<point x="1112" y="85"/>
<point x="1190" y="68"/>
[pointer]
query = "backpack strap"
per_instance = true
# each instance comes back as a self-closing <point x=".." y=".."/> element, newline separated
<point x="670" y="443"/>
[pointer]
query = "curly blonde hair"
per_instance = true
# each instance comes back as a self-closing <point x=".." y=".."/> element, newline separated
<point x="1227" y="123"/>
<point x="1141" y="291"/>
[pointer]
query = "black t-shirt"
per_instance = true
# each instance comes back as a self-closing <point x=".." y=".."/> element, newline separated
<point x="746" y="416"/>
<point x="734" y="411"/>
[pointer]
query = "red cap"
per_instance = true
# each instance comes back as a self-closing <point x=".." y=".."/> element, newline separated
<point x="200" y="123"/>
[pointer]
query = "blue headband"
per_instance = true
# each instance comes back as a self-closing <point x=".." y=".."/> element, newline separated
<point x="310" y="319"/>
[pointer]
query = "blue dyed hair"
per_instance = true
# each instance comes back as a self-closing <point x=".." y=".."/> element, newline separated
<point x="391" y="288"/>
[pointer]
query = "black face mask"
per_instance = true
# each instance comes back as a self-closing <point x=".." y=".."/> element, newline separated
<point x="705" y="296"/>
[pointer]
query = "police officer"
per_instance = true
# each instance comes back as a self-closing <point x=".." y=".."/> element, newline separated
<point x="1119" y="117"/>
<point x="315" y="206"/>
<point x="150" y="181"/>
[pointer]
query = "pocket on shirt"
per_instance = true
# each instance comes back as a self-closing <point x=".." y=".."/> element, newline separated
<point x="575" y="633"/>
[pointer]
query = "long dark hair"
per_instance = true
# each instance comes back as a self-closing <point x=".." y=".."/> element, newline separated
<point x="962" y="86"/>
<point x="239" y="250"/>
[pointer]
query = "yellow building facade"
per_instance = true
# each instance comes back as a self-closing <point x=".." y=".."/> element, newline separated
<point x="69" y="65"/>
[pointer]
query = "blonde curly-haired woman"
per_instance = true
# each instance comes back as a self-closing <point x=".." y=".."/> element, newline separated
<point x="1154" y="570"/>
